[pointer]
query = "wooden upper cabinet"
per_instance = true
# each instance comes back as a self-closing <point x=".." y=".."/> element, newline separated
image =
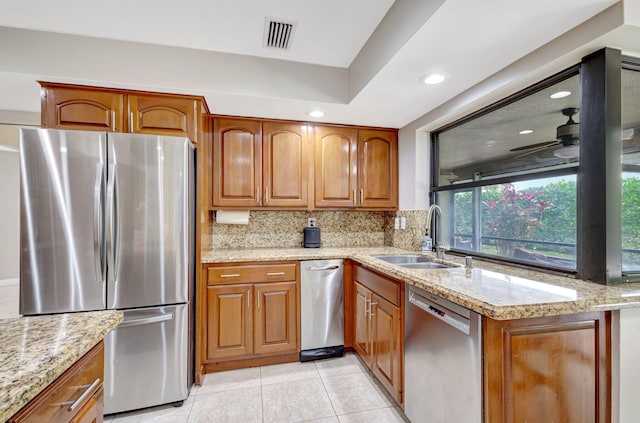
<point x="335" y="167"/>
<point x="286" y="170"/>
<point x="163" y="115"/>
<point x="82" y="109"/>
<point x="237" y="163"/>
<point x="105" y="109"/>
<point x="378" y="169"/>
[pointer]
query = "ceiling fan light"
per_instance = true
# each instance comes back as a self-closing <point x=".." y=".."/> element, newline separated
<point x="568" y="152"/>
<point x="560" y="94"/>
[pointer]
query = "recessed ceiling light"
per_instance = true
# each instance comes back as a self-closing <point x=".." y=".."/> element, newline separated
<point x="525" y="132"/>
<point x="432" y="79"/>
<point x="560" y="94"/>
<point x="316" y="113"/>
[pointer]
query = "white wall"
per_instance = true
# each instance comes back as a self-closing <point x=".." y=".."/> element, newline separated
<point x="10" y="209"/>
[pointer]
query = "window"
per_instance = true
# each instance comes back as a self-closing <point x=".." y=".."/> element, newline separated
<point x="506" y="178"/>
<point x="631" y="171"/>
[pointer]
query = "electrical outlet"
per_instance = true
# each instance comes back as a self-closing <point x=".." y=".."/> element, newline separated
<point x="403" y="222"/>
<point x="311" y="222"/>
<point x="396" y="223"/>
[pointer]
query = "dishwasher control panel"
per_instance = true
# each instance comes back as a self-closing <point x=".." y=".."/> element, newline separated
<point x="438" y="311"/>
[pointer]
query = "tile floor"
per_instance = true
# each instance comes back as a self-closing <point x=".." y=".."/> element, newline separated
<point x="332" y="390"/>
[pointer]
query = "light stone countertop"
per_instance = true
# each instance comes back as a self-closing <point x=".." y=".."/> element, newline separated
<point x="36" y="350"/>
<point x="498" y="291"/>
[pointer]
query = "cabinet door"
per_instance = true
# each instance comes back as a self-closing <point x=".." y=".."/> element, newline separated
<point x="237" y="159"/>
<point x="387" y="359"/>
<point x="286" y="165"/>
<point x="81" y="109"/>
<point x="548" y="369"/>
<point x="362" y="335"/>
<point x="229" y="321"/>
<point x="335" y="167"/>
<point x="378" y="169"/>
<point x="163" y="115"/>
<point x="276" y="311"/>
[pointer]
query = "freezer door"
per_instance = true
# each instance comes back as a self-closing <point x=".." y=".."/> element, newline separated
<point x="149" y="221"/>
<point x="146" y="359"/>
<point x="62" y="261"/>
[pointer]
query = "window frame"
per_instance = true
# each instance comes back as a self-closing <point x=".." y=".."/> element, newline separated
<point x="598" y="174"/>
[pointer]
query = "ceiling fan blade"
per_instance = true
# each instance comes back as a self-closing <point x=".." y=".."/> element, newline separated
<point x="541" y="147"/>
<point x="535" y="146"/>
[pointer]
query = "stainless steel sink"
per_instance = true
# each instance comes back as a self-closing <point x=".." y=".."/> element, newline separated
<point x="423" y="265"/>
<point x="405" y="259"/>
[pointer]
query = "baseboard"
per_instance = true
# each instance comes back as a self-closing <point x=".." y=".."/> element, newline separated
<point x="9" y="282"/>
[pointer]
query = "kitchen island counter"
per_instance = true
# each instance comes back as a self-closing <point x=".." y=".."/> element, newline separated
<point x="494" y="290"/>
<point x="36" y="350"/>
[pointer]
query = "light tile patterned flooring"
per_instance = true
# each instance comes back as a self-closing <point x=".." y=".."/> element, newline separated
<point x="331" y="390"/>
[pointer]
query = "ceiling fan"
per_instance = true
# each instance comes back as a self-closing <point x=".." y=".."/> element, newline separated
<point x="566" y="135"/>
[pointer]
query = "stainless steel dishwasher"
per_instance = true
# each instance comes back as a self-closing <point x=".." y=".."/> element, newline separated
<point x="322" y="309"/>
<point x="443" y="360"/>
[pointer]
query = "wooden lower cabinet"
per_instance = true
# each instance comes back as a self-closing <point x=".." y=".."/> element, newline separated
<point x="76" y="396"/>
<point x="230" y="321"/>
<point x="386" y="361"/>
<point x="549" y="369"/>
<point x="378" y="327"/>
<point x="251" y="323"/>
<point x="275" y="318"/>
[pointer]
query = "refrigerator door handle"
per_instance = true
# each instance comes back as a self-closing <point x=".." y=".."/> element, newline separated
<point x="146" y="320"/>
<point x="116" y="222"/>
<point x="110" y="222"/>
<point x="98" y="224"/>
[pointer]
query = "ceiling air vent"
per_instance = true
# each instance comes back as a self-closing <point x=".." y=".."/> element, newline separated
<point x="278" y="33"/>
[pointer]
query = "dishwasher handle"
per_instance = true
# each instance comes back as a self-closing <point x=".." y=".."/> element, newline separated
<point x="441" y="313"/>
<point x="321" y="268"/>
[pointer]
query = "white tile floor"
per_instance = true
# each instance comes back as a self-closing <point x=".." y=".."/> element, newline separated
<point x="332" y="390"/>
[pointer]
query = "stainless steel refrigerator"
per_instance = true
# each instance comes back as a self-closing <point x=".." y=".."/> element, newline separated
<point x="107" y="222"/>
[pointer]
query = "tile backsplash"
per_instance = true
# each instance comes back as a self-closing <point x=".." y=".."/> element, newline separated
<point x="409" y="238"/>
<point x="283" y="229"/>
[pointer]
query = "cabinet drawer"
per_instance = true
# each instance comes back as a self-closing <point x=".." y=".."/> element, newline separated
<point x="386" y="288"/>
<point x="55" y="402"/>
<point x="251" y="273"/>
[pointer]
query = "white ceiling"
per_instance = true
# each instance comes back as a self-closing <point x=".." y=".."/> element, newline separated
<point x="360" y="60"/>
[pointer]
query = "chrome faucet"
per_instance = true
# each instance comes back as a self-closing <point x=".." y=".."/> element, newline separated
<point x="435" y="210"/>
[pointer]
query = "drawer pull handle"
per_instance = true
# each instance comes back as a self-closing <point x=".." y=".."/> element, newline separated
<point x="88" y="391"/>
<point x="275" y="273"/>
<point x="230" y="275"/>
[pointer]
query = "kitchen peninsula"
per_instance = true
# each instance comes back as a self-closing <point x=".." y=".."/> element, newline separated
<point x="37" y="352"/>
<point x="539" y="329"/>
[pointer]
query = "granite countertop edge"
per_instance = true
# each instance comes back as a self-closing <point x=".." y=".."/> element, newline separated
<point x="456" y="284"/>
<point x="36" y="350"/>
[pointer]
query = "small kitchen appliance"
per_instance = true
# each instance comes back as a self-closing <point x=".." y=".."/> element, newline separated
<point x="311" y="237"/>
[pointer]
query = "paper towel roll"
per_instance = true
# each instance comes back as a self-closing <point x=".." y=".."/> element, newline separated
<point x="232" y="217"/>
